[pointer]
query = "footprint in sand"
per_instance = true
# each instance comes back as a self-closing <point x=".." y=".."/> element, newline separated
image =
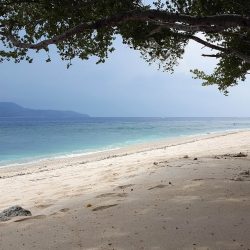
<point x="42" y="206"/>
<point x="103" y="207"/>
<point x="198" y="179"/>
<point x="125" y="186"/>
<point x="64" y="210"/>
<point x="132" y="175"/>
<point x="112" y="195"/>
<point x="158" y="186"/>
<point x="242" y="176"/>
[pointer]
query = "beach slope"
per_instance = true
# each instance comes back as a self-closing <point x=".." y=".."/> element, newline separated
<point x="187" y="193"/>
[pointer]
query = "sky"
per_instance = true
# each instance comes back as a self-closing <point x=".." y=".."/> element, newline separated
<point x="125" y="86"/>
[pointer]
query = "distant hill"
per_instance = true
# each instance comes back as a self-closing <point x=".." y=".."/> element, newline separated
<point x="9" y="109"/>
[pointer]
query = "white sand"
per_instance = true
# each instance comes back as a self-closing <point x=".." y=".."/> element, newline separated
<point x="140" y="197"/>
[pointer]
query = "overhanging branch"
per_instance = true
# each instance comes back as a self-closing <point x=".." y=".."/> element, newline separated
<point x="238" y="54"/>
<point x="218" y="55"/>
<point x="185" y="23"/>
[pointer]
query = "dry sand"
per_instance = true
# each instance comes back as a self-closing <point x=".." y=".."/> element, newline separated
<point x="140" y="197"/>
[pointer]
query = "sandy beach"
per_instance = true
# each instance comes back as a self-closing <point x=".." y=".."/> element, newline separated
<point x="186" y="193"/>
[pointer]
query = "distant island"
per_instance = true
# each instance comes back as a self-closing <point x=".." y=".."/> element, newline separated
<point x="9" y="109"/>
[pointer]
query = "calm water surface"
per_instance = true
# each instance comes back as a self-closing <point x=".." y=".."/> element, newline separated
<point x="25" y="139"/>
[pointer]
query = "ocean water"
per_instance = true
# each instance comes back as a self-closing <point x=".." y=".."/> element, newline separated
<point x="24" y="140"/>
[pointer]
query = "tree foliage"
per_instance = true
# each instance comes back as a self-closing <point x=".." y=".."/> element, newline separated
<point x="85" y="28"/>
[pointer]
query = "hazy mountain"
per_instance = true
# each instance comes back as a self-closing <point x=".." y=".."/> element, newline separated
<point x="9" y="109"/>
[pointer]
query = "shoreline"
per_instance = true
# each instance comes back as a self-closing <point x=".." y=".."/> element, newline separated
<point x="190" y="193"/>
<point x="72" y="155"/>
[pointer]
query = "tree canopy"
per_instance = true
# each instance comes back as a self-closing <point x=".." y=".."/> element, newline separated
<point x="85" y="28"/>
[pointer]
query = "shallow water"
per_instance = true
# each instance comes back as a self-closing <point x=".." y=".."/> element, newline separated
<point x="24" y="139"/>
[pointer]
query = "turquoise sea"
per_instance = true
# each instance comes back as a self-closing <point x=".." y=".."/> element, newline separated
<point x="23" y="140"/>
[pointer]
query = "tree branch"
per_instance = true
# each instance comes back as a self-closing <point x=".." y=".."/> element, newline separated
<point x="165" y="19"/>
<point x="207" y="44"/>
<point x="238" y="54"/>
<point x="218" y="55"/>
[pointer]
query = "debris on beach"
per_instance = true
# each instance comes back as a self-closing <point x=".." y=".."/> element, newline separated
<point x="13" y="211"/>
<point x="236" y="155"/>
<point x="240" y="155"/>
